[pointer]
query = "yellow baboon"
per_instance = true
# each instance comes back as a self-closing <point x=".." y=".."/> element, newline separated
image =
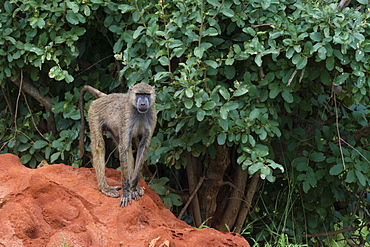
<point x="131" y="119"/>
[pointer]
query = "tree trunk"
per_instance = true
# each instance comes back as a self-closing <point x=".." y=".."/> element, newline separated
<point x="244" y="211"/>
<point x="235" y="200"/>
<point x="193" y="181"/>
<point x="214" y="181"/>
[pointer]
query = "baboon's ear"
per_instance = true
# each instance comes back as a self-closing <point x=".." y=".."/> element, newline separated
<point x="130" y="87"/>
<point x="153" y="88"/>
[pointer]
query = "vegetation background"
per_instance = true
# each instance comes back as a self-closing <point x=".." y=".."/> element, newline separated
<point x="263" y="105"/>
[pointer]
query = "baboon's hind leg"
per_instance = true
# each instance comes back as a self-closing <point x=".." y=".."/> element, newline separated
<point x="98" y="152"/>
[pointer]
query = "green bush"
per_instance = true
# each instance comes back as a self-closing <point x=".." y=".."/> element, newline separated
<point x="273" y="88"/>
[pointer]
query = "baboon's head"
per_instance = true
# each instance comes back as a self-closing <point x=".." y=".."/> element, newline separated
<point x="142" y="96"/>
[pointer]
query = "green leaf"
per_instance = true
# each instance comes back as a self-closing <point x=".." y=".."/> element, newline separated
<point x="221" y="138"/>
<point x="215" y="3"/>
<point x="188" y="104"/>
<point x="265" y="4"/>
<point x="164" y="60"/>
<point x="330" y="63"/>
<point x="224" y="112"/>
<point x="336" y="169"/>
<point x="316" y="36"/>
<point x="258" y="60"/>
<point x="300" y="163"/>
<point x="73" y="6"/>
<point x="33" y="48"/>
<point x="138" y="31"/>
<point x="359" y="55"/>
<point x="198" y="52"/>
<point x="209" y="105"/>
<point x="57" y="73"/>
<point x="361" y="178"/>
<point x="227" y="11"/>
<point x="175" y="199"/>
<point x="72" y="17"/>
<point x="350" y="176"/>
<point x="302" y="62"/>
<point x="40" y="144"/>
<point x="254" y="114"/>
<point x="306" y="186"/>
<point x="225" y="93"/>
<point x="363" y="1"/>
<point x="210" y="32"/>
<point x="275" y="89"/>
<point x="262" y="150"/>
<point x="211" y="63"/>
<point x="252" y="141"/>
<point x="23" y="147"/>
<point x="255" y="167"/>
<point x="224" y="124"/>
<point x="229" y="72"/>
<point x="241" y="91"/>
<point x="26" y="158"/>
<point x="340" y="79"/>
<point x="126" y="8"/>
<point x="287" y="95"/>
<point x="232" y="105"/>
<point x="189" y="93"/>
<point x="317" y="157"/>
<point x="180" y="125"/>
<point x="54" y="157"/>
<point x="200" y="115"/>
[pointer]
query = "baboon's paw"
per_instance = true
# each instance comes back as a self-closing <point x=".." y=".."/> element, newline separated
<point x="109" y="191"/>
<point x="126" y="199"/>
<point x="140" y="190"/>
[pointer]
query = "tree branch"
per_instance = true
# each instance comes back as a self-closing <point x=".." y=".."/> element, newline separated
<point x="27" y="87"/>
<point x="191" y="197"/>
<point x="325" y="234"/>
<point x="34" y="92"/>
<point x="343" y="4"/>
<point x="245" y="209"/>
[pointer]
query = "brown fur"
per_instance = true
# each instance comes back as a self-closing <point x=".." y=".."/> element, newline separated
<point x="119" y="113"/>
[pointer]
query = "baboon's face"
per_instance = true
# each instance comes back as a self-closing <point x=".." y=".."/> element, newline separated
<point x="142" y="96"/>
<point x="142" y="102"/>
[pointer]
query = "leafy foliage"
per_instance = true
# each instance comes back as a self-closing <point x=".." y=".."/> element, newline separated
<point x="282" y="82"/>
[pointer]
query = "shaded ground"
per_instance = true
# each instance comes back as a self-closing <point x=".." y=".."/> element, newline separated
<point x="59" y="204"/>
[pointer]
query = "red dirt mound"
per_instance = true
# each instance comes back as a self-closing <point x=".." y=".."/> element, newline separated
<point x="59" y="204"/>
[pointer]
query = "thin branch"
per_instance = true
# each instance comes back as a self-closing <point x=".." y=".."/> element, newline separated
<point x="94" y="64"/>
<point x="31" y="115"/>
<point x="26" y="86"/>
<point x="261" y="25"/>
<point x="141" y="16"/>
<point x="292" y="77"/>
<point x="17" y="102"/>
<point x="347" y="229"/>
<point x="337" y="126"/>
<point x="8" y="102"/>
<point x="201" y="180"/>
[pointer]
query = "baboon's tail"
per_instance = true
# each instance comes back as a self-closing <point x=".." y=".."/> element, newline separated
<point x="96" y="93"/>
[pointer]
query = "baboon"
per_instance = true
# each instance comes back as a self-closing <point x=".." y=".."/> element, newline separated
<point x="131" y="119"/>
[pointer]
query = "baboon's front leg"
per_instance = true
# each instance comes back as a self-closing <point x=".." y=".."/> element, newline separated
<point x="129" y="191"/>
<point x="98" y="152"/>
<point x="136" y="190"/>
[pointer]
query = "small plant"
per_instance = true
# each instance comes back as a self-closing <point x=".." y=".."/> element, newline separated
<point x="169" y="199"/>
